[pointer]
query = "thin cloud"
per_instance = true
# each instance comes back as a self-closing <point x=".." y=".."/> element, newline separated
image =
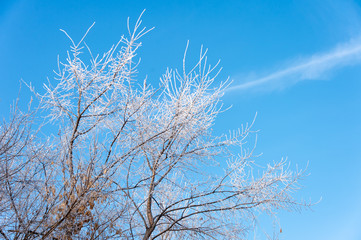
<point x="315" y="67"/>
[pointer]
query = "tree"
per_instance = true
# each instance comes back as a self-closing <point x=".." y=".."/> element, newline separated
<point x="126" y="160"/>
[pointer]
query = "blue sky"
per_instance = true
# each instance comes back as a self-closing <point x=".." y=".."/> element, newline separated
<point x="296" y="63"/>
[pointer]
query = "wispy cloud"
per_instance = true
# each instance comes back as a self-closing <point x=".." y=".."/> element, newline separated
<point x="314" y="67"/>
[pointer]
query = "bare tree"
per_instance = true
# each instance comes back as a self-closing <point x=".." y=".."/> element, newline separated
<point x="127" y="160"/>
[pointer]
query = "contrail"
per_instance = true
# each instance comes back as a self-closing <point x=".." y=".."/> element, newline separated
<point x="311" y="68"/>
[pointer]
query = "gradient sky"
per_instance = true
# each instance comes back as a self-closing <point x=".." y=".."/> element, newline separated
<point x="296" y="63"/>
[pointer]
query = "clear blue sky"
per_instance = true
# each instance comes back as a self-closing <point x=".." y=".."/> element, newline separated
<point x="296" y="63"/>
